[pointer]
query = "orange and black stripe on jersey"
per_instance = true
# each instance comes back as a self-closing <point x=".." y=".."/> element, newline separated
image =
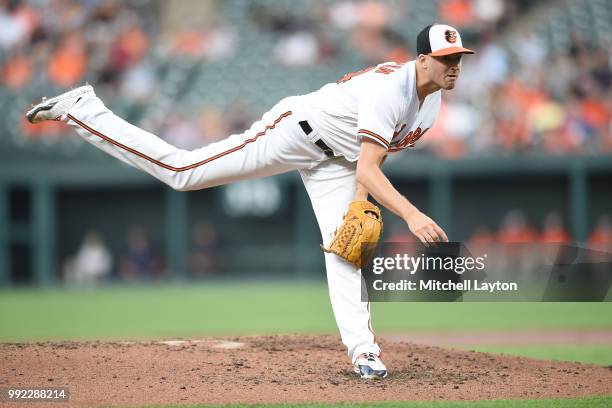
<point x="371" y="135"/>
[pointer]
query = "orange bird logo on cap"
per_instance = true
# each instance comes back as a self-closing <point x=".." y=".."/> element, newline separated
<point x="451" y="36"/>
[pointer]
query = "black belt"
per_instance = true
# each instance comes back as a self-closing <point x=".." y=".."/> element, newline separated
<point x="320" y="143"/>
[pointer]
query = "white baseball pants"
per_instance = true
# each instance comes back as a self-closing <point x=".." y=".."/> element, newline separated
<point x="273" y="145"/>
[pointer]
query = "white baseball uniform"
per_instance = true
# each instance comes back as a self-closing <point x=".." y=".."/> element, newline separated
<point x="379" y="103"/>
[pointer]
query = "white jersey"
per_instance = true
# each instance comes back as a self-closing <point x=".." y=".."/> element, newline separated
<point x="379" y="103"/>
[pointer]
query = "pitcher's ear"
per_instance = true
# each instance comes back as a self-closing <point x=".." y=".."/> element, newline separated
<point x="422" y="58"/>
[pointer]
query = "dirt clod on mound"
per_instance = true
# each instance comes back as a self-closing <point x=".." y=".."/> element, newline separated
<point x="273" y="369"/>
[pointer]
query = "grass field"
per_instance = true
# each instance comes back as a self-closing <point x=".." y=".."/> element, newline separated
<point x="220" y="309"/>
<point x="255" y="308"/>
<point x="592" y="353"/>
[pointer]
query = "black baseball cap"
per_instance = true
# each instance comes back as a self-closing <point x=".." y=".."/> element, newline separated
<point x="440" y="39"/>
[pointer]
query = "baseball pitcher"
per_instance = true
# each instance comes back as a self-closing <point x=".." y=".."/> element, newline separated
<point x="336" y="138"/>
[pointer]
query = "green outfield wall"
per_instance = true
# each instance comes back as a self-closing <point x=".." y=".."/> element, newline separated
<point x="48" y="204"/>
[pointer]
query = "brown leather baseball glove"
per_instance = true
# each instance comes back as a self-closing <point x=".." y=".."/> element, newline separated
<point x="362" y="224"/>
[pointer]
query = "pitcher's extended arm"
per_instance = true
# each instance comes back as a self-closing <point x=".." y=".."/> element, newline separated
<point x="373" y="180"/>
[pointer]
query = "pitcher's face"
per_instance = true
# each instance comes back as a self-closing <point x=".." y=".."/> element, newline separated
<point x="444" y="70"/>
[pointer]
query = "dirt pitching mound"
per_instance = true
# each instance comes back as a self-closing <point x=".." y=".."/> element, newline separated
<point x="272" y="369"/>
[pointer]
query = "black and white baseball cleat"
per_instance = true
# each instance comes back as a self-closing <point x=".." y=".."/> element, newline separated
<point x="55" y="108"/>
<point x="368" y="366"/>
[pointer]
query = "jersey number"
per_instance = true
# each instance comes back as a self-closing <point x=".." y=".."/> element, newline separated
<point x="383" y="69"/>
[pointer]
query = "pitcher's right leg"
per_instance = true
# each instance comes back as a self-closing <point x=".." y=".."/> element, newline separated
<point x="331" y="187"/>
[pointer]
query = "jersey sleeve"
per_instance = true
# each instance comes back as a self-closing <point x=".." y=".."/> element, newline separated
<point x="379" y="110"/>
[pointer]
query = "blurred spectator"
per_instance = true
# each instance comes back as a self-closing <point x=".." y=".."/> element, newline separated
<point x="369" y="43"/>
<point x="457" y="125"/>
<point x="212" y="126"/>
<point x="374" y="38"/>
<point x="68" y="63"/>
<point x="344" y="14"/>
<point x="299" y="42"/>
<point x="268" y="17"/>
<point x="601" y="237"/>
<point x="600" y="245"/>
<point x="398" y="232"/>
<point x="458" y="13"/>
<point x="206" y="253"/>
<point x="531" y="48"/>
<point x="553" y="230"/>
<point x="239" y="117"/>
<point x="17" y="71"/>
<point x="180" y="131"/>
<point x="482" y="235"/>
<point x="298" y="49"/>
<point x="215" y="44"/>
<point x="489" y="12"/>
<point x="396" y="49"/>
<point x="129" y="48"/>
<point x="192" y="133"/>
<point x="517" y="258"/>
<point x="139" y="84"/>
<point x="91" y="264"/>
<point x="48" y="131"/>
<point x="374" y="14"/>
<point x="222" y="43"/>
<point x="565" y="71"/>
<point x="601" y="72"/>
<point x="140" y="263"/>
<point x="515" y="229"/>
<point x="14" y="27"/>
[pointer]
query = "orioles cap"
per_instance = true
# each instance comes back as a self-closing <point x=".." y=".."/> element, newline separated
<point x="439" y="40"/>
